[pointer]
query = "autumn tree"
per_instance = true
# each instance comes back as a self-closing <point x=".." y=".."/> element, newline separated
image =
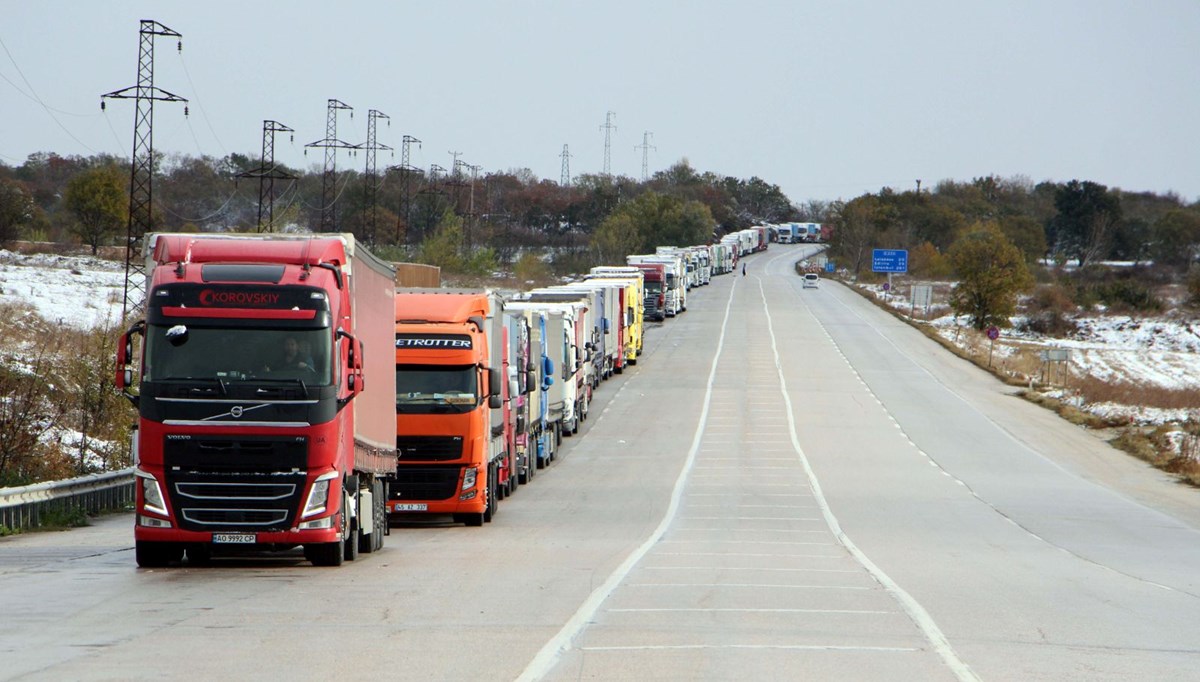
<point x="16" y="209"/>
<point x="991" y="273"/>
<point x="1087" y="219"/>
<point x="1176" y="238"/>
<point x="98" y="203"/>
<point x="29" y="412"/>
<point x="855" y="232"/>
<point x="93" y="408"/>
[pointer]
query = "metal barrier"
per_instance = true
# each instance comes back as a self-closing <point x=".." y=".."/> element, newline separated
<point x="28" y="506"/>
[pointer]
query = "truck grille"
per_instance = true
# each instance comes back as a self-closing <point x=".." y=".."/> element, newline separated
<point x="234" y="517"/>
<point x="429" y="448"/>
<point x="425" y="483"/>
<point x="213" y="501"/>
<point x="228" y="483"/>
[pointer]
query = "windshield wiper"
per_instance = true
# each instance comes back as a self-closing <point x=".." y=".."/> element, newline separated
<point x="299" y="382"/>
<point x="212" y="380"/>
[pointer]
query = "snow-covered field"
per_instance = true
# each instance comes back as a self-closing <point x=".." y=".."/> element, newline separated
<point x="1155" y="352"/>
<point x="76" y="291"/>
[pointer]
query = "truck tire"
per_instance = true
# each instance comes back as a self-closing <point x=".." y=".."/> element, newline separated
<point x="325" y="553"/>
<point x="489" y="510"/>
<point x="351" y="529"/>
<point x="374" y="541"/>
<point x="199" y="554"/>
<point x="472" y="520"/>
<point x="156" y="554"/>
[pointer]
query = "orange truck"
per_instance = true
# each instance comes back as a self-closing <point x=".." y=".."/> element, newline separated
<point x="451" y="428"/>
<point x="256" y="430"/>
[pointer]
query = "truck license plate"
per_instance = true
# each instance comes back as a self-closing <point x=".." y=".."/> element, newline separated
<point x="233" y="539"/>
<point x="410" y="506"/>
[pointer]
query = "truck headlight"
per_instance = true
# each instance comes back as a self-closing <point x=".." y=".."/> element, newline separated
<point x="318" y="496"/>
<point x="152" y="497"/>
<point x="469" y="478"/>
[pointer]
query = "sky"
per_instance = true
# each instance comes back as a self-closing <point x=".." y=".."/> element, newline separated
<point x="828" y="100"/>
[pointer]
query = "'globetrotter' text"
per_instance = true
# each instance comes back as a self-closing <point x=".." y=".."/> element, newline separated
<point x="453" y="344"/>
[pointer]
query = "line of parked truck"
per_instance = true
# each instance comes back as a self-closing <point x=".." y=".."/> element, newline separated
<point x="289" y="394"/>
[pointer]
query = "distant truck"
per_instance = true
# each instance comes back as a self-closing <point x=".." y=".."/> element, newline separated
<point x="449" y="416"/>
<point x="256" y="430"/>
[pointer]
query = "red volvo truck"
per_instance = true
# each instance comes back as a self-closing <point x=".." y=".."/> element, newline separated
<point x="257" y="428"/>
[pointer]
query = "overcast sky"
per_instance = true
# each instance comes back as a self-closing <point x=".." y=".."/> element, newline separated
<point x="826" y="99"/>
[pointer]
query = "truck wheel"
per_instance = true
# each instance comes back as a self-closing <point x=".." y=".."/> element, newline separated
<point x="199" y="555"/>
<point x="489" y="511"/>
<point x="351" y="530"/>
<point x="156" y="554"/>
<point x="472" y="520"/>
<point x="325" y="553"/>
<point x="372" y="542"/>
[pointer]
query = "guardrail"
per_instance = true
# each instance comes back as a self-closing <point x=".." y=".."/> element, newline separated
<point x="27" y="506"/>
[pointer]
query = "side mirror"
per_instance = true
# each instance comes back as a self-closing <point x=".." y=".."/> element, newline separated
<point x="494" y="402"/>
<point x="530" y="381"/>
<point x="494" y="383"/>
<point x="514" y="388"/>
<point x="123" y="376"/>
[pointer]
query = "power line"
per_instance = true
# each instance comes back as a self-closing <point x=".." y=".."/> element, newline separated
<point x="141" y="215"/>
<point x="200" y="104"/>
<point x="371" y="146"/>
<point x="645" y="146"/>
<point x="564" y="178"/>
<point x="608" y="129"/>
<point x="37" y="98"/>
<point x="330" y="144"/>
<point x="267" y="173"/>
<point x="406" y="170"/>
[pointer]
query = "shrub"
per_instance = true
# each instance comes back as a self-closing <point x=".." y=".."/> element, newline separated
<point x="1047" y="311"/>
<point x="1127" y="295"/>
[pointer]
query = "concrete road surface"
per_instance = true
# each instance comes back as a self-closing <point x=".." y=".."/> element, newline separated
<point x="790" y="484"/>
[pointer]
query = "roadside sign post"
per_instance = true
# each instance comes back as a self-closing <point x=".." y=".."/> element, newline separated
<point x="889" y="261"/>
<point x="1052" y="357"/>
<point x="993" y="333"/>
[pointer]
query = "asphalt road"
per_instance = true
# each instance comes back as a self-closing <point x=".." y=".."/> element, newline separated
<point x="790" y="484"/>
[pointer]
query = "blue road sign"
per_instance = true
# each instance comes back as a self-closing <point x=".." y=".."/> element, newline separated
<point x="828" y="266"/>
<point x="889" y="260"/>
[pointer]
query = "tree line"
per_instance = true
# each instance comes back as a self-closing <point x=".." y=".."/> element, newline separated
<point x="85" y="200"/>
<point x="996" y="237"/>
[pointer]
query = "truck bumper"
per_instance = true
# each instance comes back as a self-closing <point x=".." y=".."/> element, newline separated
<point x="237" y="538"/>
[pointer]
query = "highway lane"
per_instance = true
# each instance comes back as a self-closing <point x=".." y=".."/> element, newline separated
<point x="789" y="484"/>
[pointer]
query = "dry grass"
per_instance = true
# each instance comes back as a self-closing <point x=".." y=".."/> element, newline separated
<point x="1171" y="449"/>
<point x="1095" y="390"/>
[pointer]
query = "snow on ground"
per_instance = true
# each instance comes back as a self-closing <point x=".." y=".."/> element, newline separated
<point x="77" y="291"/>
<point x="1161" y="351"/>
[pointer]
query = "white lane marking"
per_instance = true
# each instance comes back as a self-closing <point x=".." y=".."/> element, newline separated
<point x="919" y="615"/>
<point x="745" y="554"/>
<point x="744" y="518"/>
<point x="756" y="568"/>
<point x="551" y="651"/>
<point x="855" y="588"/>
<point x="788" y="647"/>
<point x="757" y="530"/>
<point x="749" y="542"/>
<point x="848" y="611"/>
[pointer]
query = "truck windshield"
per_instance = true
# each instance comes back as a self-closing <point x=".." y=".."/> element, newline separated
<point x="424" y="389"/>
<point x="653" y="289"/>
<point x="186" y="352"/>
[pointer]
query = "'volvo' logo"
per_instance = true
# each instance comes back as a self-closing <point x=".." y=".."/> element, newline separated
<point x="236" y="411"/>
